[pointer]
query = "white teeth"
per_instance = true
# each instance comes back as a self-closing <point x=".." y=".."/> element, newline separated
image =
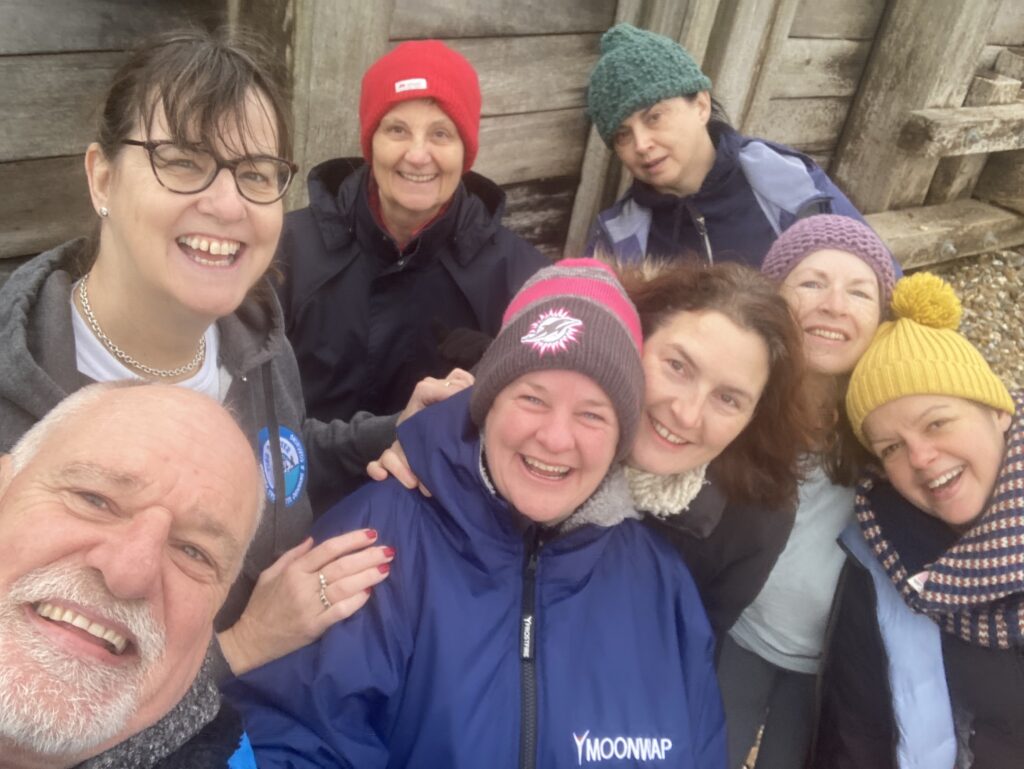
<point x="945" y="478"/>
<point x="826" y="334"/>
<point x="664" y="432"/>
<point x="417" y="177"/>
<point x="546" y="468"/>
<point x="56" y="614"/>
<point x="211" y="246"/>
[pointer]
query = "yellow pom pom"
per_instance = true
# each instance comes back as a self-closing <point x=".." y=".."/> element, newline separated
<point x="926" y="299"/>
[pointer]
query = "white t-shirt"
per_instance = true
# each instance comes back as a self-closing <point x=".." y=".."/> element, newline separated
<point x="97" y="362"/>
<point x="785" y="624"/>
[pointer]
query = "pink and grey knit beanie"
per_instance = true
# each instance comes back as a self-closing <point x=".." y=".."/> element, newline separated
<point x="572" y="316"/>
<point x="816" y="233"/>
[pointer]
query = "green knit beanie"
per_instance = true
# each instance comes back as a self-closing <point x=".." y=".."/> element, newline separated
<point x="637" y="69"/>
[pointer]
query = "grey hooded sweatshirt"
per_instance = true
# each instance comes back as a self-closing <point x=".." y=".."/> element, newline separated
<point x="38" y="369"/>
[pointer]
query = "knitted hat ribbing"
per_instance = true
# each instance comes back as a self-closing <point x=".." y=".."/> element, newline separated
<point x="422" y="69"/>
<point x="830" y="231"/>
<point x="571" y="316"/>
<point x="637" y="69"/>
<point x="921" y="353"/>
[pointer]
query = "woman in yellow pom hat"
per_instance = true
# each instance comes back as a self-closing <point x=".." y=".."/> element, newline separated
<point x="926" y="661"/>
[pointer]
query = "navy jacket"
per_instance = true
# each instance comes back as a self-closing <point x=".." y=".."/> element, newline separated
<point x="366" y="321"/>
<point x="458" y="662"/>
<point x="895" y="694"/>
<point x="754" y="191"/>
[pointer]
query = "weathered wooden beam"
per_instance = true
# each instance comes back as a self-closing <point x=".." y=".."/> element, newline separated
<point x="333" y="44"/>
<point x="50" y="102"/>
<point x="1002" y="180"/>
<point x="539" y="212"/>
<point x="924" y="56"/>
<point x="1010" y="28"/>
<point x="530" y="74"/>
<point x="42" y="203"/>
<point x="939" y="133"/>
<point x="811" y="125"/>
<point x="838" y="19"/>
<point x="487" y="18"/>
<point x="63" y="26"/>
<point x="698" y="23"/>
<point x="919" y="237"/>
<point x="596" y="168"/>
<point x="745" y="44"/>
<point x="1010" y="62"/>
<point x="513" y="147"/>
<point x="955" y="177"/>
<point x="815" y="68"/>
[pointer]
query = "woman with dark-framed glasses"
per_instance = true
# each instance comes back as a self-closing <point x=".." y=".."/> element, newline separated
<point x="186" y="176"/>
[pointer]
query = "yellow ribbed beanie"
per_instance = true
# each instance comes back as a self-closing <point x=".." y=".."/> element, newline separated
<point x="920" y="352"/>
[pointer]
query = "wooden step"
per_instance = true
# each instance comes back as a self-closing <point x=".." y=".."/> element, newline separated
<point x="928" y="235"/>
<point x="940" y="133"/>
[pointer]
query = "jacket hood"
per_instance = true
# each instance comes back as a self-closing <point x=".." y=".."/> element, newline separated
<point x="38" y="366"/>
<point x="443" y="447"/>
<point x="35" y="326"/>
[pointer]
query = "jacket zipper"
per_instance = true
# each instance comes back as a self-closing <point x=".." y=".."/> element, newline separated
<point x="527" y="655"/>
<point x="698" y="222"/>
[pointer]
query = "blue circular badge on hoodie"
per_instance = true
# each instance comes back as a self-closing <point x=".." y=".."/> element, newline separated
<point x="293" y="458"/>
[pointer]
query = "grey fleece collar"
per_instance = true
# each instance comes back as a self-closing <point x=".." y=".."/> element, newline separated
<point x="146" y="749"/>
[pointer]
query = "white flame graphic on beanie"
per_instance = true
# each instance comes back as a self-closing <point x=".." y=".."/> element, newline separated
<point x="553" y="331"/>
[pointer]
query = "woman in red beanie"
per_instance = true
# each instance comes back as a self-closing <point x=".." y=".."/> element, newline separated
<point x="400" y="262"/>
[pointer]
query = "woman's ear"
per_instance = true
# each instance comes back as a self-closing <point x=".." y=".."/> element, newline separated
<point x="98" y="170"/>
<point x="704" y="106"/>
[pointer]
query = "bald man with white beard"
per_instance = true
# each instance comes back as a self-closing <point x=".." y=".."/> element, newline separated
<point x="124" y="518"/>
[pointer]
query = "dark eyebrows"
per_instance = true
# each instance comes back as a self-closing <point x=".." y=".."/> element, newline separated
<point x="738" y="391"/>
<point x="817" y="273"/>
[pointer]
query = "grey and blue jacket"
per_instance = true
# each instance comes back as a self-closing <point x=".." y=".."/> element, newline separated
<point x="754" y="191"/>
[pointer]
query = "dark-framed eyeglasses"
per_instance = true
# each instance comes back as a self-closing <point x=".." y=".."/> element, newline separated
<point x="186" y="170"/>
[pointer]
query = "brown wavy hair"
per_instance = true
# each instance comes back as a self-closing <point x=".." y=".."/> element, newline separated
<point x="761" y="466"/>
<point x="201" y="80"/>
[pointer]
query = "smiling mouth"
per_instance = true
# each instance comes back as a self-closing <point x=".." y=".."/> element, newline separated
<point x="200" y="249"/>
<point x="825" y="333"/>
<point x="544" y="470"/>
<point x="945" y="480"/>
<point x="667" y="434"/>
<point x="115" y="642"/>
<point x="417" y="178"/>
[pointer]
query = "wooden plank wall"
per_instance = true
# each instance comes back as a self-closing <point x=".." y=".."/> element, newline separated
<point x="806" y="93"/>
<point x="56" y="58"/>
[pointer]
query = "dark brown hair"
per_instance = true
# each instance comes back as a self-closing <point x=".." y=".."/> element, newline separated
<point x="761" y="466"/>
<point x="201" y="81"/>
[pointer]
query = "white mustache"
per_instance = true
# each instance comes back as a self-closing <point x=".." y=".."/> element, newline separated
<point x="85" y="587"/>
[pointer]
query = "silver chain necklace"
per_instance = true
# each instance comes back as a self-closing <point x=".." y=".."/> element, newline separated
<point x="124" y="357"/>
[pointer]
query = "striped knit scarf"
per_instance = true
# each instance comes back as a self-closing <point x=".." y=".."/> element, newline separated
<point x="974" y="590"/>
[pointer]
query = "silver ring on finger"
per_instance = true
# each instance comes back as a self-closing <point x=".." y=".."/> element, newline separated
<point x="323" y="590"/>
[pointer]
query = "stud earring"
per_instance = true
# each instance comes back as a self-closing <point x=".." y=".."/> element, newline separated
<point x="104" y="212"/>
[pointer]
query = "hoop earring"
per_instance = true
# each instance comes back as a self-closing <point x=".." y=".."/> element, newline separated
<point x="104" y="212"/>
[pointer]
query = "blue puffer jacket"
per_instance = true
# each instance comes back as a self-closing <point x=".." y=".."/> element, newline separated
<point x="754" y="191"/>
<point x="494" y="643"/>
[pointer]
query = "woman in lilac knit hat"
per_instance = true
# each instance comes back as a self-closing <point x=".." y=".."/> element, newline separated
<point x="837" y="277"/>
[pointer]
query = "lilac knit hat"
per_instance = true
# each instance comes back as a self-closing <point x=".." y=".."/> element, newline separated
<point x="841" y="233"/>
<point x="571" y="316"/>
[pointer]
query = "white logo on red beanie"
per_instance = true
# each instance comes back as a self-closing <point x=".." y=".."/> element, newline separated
<point x="412" y="84"/>
<point x="553" y="331"/>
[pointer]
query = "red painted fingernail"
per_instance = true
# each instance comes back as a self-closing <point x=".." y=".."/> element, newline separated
<point x="369" y="591"/>
<point x="389" y="552"/>
<point x="371" y="534"/>
<point x="384" y="568"/>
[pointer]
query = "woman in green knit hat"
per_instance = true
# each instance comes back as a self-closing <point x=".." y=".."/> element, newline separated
<point x="926" y="661"/>
<point x="699" y="186"/>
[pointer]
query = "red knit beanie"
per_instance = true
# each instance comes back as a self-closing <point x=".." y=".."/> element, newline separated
<point x="422" y="69"/>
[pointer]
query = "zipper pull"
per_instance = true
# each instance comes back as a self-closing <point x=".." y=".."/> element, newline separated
<point x="698" y="222"/>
